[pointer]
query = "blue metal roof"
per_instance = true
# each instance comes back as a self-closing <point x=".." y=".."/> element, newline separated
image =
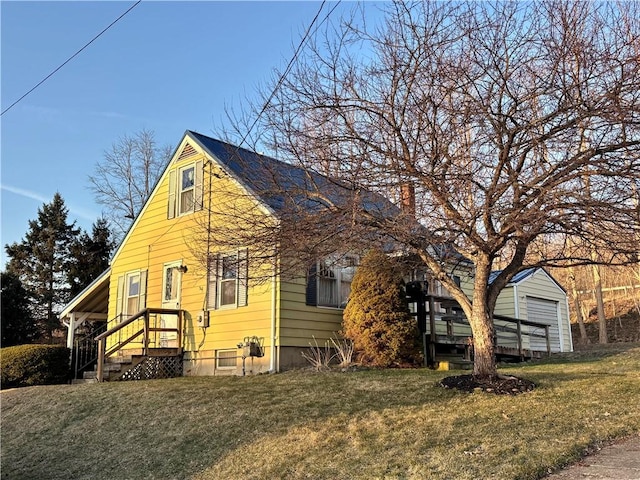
<point x="518" y="277"/>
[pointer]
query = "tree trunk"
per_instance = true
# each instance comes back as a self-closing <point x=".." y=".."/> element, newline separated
<point x="602" y="321"/>
<point x="484" y="362"/>
<point x="576" y="301"/>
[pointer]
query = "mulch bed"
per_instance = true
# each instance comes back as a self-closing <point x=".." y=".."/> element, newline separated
<point x="500" y="385"/>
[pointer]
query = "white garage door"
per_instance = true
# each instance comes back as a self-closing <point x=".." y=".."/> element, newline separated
<point x="546" y="312"/>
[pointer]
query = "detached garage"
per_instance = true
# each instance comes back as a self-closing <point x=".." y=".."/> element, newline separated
<point x="534" y="295"/>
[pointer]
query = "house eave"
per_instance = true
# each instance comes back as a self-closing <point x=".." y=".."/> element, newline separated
<point x="533" y="272"/>
<point x="99" y="287"/>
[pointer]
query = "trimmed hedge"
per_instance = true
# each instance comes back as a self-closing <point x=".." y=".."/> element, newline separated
<point x="26" y="365"/>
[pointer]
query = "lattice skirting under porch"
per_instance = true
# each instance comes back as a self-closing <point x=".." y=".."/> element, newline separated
<point x="155" y="368"/>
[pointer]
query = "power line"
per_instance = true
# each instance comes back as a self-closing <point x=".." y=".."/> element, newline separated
<point x="289" y="66"/>
<point x="70" y="58"/>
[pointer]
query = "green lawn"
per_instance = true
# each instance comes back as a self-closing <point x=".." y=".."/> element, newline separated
<point x="367" y="424"/>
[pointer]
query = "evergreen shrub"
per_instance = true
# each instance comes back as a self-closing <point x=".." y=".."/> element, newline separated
<point x="27" y="365"/>
<point x="377" y="317"/>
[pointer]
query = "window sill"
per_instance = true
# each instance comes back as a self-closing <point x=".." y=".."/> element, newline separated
<point x="326" y="307"/>
<point x="228" y="307"/>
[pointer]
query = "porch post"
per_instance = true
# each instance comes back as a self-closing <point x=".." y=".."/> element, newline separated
<point x="72" y="330"/>
<point x="432" y="332"/>
<point x="180" y="322"/>
<point x="101" y="349"/>
<point x="145" y="338"/>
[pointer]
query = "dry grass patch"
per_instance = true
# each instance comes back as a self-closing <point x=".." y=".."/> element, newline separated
<point x="368" y="424"/>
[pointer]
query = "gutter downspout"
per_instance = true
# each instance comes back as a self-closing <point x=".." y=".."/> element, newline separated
<point x="274" y="366"/>
<point x="560" y="326"/>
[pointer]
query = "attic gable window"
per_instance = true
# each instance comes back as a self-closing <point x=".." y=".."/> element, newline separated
<point x="185" y="189"/>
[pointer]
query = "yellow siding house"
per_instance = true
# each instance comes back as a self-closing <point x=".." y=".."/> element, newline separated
<point x="208" y="313"/>
<point x="177" y="300"/>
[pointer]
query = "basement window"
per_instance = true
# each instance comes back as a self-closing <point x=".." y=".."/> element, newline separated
<point x="226" y="358"/>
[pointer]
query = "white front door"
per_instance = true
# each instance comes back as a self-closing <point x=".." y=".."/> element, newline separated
<point x="171" y="286"/>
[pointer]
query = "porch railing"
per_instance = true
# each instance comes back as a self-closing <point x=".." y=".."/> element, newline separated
<point x="508" y="331"/>
<point x="149" y="328"/>
<point x="536" y="330"/>
<point x="85" y="350"/>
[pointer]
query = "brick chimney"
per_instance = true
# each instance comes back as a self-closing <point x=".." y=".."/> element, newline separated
<point x="408" y="199"/>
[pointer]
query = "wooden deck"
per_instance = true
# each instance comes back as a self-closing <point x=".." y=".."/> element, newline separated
<point x="448" y="334"/>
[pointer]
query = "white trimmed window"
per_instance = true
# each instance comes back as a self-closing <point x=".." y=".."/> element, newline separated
<point x="185" y="189"/>
<point x="329" y="282"/>
<point x="132" y="290"/>
<point x="228" y="280"/>
<point x="133" y="293"/>
<point x="226" y="358"/>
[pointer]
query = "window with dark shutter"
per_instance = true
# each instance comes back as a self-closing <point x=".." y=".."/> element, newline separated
<point x="312" y="285"/>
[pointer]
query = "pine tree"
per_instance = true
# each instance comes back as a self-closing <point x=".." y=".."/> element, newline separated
<point x="377" y="317"/>
<point x="89" y="256"/>
<point x="41" y="262"/>
<point x="18" y="326"/>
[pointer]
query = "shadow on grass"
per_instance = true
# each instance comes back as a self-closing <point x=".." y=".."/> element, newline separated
<point x="176" y="428"/>
<point x="181" y="427"/>
<point x="585" y="354"/>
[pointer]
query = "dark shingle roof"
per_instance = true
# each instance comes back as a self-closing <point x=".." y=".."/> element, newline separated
<point x="278" y="183"/>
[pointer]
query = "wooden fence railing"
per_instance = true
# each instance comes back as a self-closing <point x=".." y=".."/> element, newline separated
<point x="507" y="330"/>
<point x="147" y="327"/>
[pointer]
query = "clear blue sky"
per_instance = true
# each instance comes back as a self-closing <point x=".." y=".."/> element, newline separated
<point x="166" y="67"/>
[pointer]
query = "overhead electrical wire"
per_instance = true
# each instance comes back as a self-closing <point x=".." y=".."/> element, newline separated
<point x="289" y="66"/>
<point x="70" y="58"/>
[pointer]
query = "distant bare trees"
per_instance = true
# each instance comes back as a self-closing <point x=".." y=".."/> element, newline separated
<point x="516" y="125"/>
<point x="124" y="178"/>
<point x="619" y="288"/>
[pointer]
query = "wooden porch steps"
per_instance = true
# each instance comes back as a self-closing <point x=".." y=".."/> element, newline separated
<point x="110" y="370"/>
<point x="452" y="362"/>
<point x="81" y="381"/>
<point x="123" y="367"/>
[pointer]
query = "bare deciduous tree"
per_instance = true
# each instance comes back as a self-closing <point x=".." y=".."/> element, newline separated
<point x="124" y="178"/>
<point x="495" y="114"/>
